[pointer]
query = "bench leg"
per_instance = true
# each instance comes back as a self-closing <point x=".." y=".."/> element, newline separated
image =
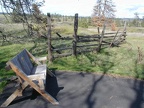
<point x="18" y="92"/>
<point x="41" y="85"/>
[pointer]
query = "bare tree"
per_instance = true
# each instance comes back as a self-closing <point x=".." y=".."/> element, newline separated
<point x="36" y="13"/>
<point x="137" y="19"/>
<point x="103" y="12"/>
<point x="22" y="9"/>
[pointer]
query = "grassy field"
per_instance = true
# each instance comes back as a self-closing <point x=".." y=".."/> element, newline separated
<point x="126" y="60"/>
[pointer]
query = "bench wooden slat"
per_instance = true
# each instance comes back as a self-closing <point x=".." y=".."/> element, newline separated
<point x="25" y="62"/>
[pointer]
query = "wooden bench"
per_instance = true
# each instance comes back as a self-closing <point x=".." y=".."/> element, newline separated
<point x="30" y="71"/>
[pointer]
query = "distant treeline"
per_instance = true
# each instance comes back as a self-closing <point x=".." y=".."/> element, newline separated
<point x="87" y="21"/>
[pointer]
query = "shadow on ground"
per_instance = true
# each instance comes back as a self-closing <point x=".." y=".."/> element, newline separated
<point x="138" y="87"/>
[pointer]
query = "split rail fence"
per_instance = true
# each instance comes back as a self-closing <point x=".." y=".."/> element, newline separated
<point x="79" y="44"/>
<point x="66" y="46"/>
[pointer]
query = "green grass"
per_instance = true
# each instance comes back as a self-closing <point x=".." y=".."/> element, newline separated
<point x="121" y="61"/>
<point x="135" y="29"/>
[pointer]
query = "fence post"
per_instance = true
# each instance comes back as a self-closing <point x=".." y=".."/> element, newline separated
<point x="101" y="38"/>
<point x="125" y="30"/>
<point x="50" y="57"/>
<point x="75" y="35"/>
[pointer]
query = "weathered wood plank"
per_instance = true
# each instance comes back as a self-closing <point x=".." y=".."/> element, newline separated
<point x="91" y="40"/>
<point x="18" y="92"/>
<point x="62" y="38"/>
<point x="59" y="49"/>
<point x="50" y="56"/>
<point x="41" y="85"/>
<point x="75" y="35"/>
<point x="36" y="77"/>
<point x="106" y="42"/>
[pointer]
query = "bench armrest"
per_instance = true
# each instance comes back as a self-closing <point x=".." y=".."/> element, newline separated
<point x="36" y="77"/>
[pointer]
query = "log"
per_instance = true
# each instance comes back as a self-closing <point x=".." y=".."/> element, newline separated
<point x="62" y="38"/>
<point x="87" y="40"/>
<point x="106" y="42"/>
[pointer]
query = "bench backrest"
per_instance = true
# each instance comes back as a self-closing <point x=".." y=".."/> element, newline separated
<point x="22" y="62"/>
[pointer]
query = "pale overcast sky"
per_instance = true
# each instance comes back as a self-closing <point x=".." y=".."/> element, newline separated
<point x="125" y="8"/>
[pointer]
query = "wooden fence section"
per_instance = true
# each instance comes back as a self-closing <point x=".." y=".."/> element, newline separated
<point x="77" y="44"/>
